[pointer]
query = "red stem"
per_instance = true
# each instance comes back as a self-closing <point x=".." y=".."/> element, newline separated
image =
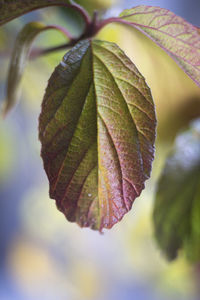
<point x="82" y="11"/>
<point x="92" y="28"/>
<point x="39" y="52"/>
<point x="111" y="20"/>
<point x="63" y="30"/>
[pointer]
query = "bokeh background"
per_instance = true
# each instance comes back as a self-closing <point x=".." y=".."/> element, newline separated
<point x="42" y="256"/>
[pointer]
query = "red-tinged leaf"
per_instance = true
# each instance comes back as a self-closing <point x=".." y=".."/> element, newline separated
<point x="173" y="34"/>
<point x="19" y="59"/>
<point x="97" y="129"/>
<point x="11" y="9"/>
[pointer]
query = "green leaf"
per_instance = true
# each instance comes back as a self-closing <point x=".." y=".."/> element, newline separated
<point x="177" y="206"/>
<point x="19" y="59"/>
<point x="97" y="129"/>
<point x="92" y="5"/>
<point x="173" y="34"/>
<point x="11" y="9"/>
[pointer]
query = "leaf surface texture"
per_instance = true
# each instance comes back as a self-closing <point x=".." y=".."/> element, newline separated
<point x="172" y="33"/>
<point x="97" y="129"/>
<point x="11" y="9"/>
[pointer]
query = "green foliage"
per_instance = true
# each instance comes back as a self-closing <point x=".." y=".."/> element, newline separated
<point x="177" y="205"/>
<point x="92" y="5"/>
<point x="19" y="59"/>
<point x="10" y="9"/>
<point x="98" y="166"/>
<point x="97" y="125"/>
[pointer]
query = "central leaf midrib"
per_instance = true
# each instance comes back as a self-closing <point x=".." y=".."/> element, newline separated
<point x="77" y="167"/>
<point x="139" y="76"/>
<point x="95" y="93"/>
<point x="117" y="156"/>
<point x="122" y="96"/>
<point x="98" y="114"/>
<point x="79" y="197"/>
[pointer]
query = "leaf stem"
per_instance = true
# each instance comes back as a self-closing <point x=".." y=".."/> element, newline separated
<point x="62" y="30"/>
<point x="82" y="11"/>
<point x="93" y="26"/>
<point x="108" y="21"/>
<point x="90" y="30"/>
<point x="35" y="53"/>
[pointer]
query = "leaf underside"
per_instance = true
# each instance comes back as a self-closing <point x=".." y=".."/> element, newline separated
<point x="19" y="59"/>
<point x="180" y="39"/>
<point x="97" y="129"/>
<point x="177" y="206"/>
<point x="11" y="9"/>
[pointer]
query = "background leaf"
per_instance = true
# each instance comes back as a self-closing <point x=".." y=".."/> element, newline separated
<point x="173" y="34"/>
<point x="10" y="9"/>
<point x="177" y="205"/>
<point x="19" y="58"/>
<point x="97" y="129"/>
<point x="92" y="5"/>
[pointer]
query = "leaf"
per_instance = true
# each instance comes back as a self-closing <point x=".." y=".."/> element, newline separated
<point x="19" y="59"/>
<point x="97" y="129"/>
<point x="11" y="9"/>
<point x="92" y="5"/>
<point x="173" y="34"/>
<point x="177" y="206"/>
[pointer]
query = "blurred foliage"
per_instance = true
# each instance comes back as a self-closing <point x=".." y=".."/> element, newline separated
<point x="7" y="157"/>
<point x="91" y="5"/>
<point x="177" y="205"/>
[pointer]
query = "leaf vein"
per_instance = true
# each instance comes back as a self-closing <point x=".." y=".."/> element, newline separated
<point x="117" y="155"/>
